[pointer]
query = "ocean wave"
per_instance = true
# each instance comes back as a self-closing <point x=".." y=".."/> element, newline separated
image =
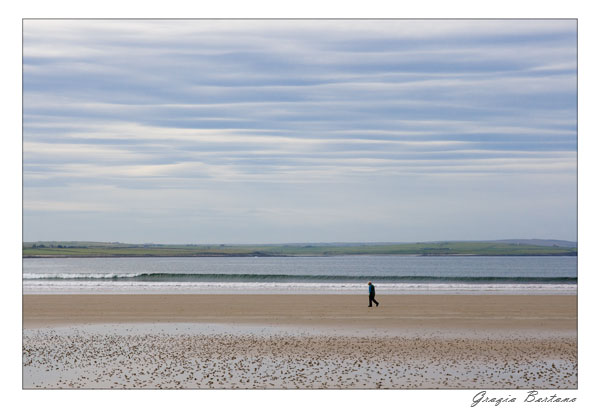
<point x="141" y="287"/>
<point x="213" y="277"/>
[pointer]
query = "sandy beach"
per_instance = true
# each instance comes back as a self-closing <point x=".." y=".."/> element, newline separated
<point x="299" y="341"/>
<point x="396" y="311"/>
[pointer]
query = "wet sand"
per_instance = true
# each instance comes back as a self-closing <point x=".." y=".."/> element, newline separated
<point x="299" y="341"/>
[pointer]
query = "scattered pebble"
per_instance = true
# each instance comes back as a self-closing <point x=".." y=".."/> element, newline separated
<point x="155" y="358"/>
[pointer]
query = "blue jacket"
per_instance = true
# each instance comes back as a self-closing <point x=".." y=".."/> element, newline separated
<point x="371" y="290"/>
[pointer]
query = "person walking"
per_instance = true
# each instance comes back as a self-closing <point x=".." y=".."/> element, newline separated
<point x="372" y="295"/>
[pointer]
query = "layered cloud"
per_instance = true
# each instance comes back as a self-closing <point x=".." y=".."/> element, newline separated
<point x="299" y="130"/>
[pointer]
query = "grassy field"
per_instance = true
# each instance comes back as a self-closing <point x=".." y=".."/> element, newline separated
<point x="105" y="249"/>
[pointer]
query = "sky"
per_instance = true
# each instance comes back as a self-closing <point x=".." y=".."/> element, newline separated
<point x="275" y="131"/>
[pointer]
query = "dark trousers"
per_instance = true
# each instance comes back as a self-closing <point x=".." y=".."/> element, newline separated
<point x="371" y="300"/>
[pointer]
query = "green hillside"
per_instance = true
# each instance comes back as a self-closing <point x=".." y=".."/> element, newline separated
<point x="100" y="249"/>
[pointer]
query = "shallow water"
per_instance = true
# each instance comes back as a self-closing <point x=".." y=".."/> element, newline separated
<point x="345" y="274"/>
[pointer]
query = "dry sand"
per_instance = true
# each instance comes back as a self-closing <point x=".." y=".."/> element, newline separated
<point x="396" y="311"/>
<point x="299" y="341"/>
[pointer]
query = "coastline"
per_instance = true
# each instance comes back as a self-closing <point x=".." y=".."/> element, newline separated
<point x="51" y="249"/>
<point x="149" y="255"/>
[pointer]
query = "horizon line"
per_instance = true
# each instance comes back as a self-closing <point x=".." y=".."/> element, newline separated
<point x="314" y="242"/>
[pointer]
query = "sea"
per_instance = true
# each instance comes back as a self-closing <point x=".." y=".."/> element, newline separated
<point x="390" y="274"/>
